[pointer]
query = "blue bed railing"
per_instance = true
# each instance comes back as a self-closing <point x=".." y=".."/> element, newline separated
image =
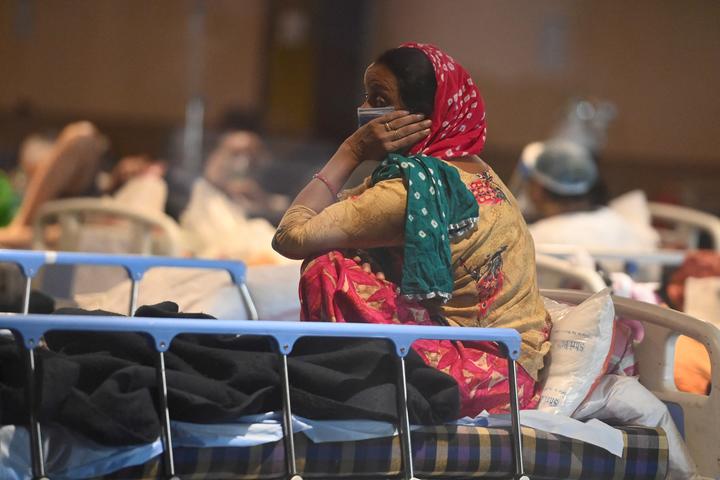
<point x="29" y="330"/>
<point x="30" y="262"/>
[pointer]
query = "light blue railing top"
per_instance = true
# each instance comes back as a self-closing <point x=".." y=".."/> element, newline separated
<point x="162" y="330"/>
<point x="30" y="262"/>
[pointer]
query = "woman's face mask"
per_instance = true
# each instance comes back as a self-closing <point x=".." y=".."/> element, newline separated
<point x="366" y="114"/>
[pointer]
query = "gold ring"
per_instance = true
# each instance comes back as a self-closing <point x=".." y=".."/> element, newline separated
<point x="395" y="134"/>
<point x="388" y="127"/>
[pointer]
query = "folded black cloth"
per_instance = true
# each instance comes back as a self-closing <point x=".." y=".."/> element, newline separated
<point x="103" y="384"/>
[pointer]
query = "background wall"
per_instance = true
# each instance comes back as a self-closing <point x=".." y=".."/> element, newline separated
<point x="658" y="61"/>
<point x="127" y="59"/>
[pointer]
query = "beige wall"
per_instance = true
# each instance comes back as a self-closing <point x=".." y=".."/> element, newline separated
<point x="128" y="58"/>
<point x="658" y="60"/>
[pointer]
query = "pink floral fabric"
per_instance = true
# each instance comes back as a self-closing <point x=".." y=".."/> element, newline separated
<point x="335" y="288"/>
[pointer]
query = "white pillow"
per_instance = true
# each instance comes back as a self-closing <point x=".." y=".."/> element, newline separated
<point x="580" y="340"/>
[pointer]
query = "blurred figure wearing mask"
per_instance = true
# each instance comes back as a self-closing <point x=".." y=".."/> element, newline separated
<point x="217" y="221"/>
<point x="231" y="167"/>
<point x="561" y="194"/>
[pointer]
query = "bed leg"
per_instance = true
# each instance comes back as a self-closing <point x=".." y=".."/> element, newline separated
<point x="133" y="297"/>
<point x="165" y="433"/>
<point x="404" y="422"/>
<point x="515" y="418"/>
<point x="37" y="454"/>
<point x="287" y="422"/>
<point x="248" y="302"/>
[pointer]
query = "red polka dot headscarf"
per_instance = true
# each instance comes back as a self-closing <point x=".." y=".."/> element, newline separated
<point x="458" y="119"/>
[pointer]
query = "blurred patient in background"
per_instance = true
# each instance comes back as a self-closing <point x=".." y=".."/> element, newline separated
<point x="137" y="181"/>
<point x="64" y="168"/>
<point x="227" y="214"/>
<point x="232" y="167"/>
<point x="562" y="193"/>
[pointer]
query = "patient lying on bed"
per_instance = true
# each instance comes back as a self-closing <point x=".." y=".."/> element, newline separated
<point x="66" y="169"/>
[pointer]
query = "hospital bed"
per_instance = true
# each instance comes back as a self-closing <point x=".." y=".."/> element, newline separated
<point x="698" y="416"/>
<point x="560" y="273"/>
<point x="428" y="452"/>
<point x="677" y="226"/>
<point x="96" y="224"/>
<point x="685" y="224"/>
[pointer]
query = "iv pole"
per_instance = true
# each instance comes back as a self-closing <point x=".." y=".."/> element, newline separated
<point x="192" y="150"/>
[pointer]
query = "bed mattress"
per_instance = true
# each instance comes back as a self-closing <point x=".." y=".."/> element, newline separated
<point x="439" y="452"/>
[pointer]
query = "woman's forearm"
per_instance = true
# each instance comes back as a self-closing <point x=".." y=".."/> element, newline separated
<point x="317" y="195"/>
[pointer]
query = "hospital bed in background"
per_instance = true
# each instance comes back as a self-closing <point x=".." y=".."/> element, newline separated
<point x="677" y="226"/>
<point x="443" y="451"/>
<point x="103" y="225"/>
<point x="31" y="263"/>
<point x="553" y="272"/>
<point x="106" y="224"/>
<point x="683" y="225"/>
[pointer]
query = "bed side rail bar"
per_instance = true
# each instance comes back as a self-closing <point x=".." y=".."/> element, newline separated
<point x="31" y="261"/>
<point x="30" y="329"/>
<point x="656" y="257"/>
<point x="74" y="207"/>
<point x="688" y="217"/>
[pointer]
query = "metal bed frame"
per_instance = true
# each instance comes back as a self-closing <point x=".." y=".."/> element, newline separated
<point x="70" y="214"/>
<point x="586" y="278"/>
<point x="656" y="355"/>
<point x="29" y="330"/>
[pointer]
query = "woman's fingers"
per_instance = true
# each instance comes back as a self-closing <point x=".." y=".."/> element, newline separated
<point x="410" y="129"/>
<point x="409" y="140"/>
<point x="367" y="268"/>
<point x="405" y="120"/>
<point x="390" y="117"/>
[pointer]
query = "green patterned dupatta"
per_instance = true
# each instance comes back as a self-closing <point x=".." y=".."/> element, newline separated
<point x="439" y="207"/>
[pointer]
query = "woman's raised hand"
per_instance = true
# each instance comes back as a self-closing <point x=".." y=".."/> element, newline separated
<point x="391" y="132"/>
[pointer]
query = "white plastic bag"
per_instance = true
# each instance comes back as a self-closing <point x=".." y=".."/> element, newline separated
<point x="581" y="339"/>
<point x="624" y="400"/>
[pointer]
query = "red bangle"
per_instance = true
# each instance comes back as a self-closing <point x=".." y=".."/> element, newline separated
<point x="322" y="178"/>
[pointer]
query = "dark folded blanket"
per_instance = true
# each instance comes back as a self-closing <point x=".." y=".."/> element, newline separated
<point x="103" y="384"/>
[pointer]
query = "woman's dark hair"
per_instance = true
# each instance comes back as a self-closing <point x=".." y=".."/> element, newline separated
<point x="415" y="76"/>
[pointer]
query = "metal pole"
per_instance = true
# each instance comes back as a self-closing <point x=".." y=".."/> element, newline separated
<point x="37" y="455"/>
<point x="26" y="296"/>
<point x="248" y="301"/>
<point x="195" y="105"/>
<point x="133" y="296"/>
<point x="166" y="434"/>
<point x="287" y="421"/>
<point x="404" y="422"/>
<point x="515" y="418"/>
<point x="36" y="443"/>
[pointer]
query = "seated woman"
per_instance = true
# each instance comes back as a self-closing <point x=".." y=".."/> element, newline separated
<point x="448" y="240"/>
